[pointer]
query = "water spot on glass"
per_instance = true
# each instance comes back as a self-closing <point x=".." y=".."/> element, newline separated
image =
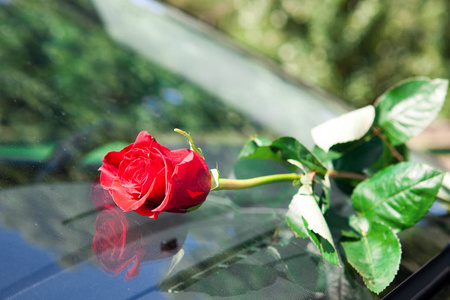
<point x="152" y="104"/>
<point x="173" y="96"/>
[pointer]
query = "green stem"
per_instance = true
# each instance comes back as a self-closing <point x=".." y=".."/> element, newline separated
<point x="390" y="147"/>
<point x="191" y="142"/>
<point x="346" y="175"/>
<point x="233" y="184"/>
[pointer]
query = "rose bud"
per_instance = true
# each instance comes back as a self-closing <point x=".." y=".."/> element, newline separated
<point x="149" y="178"/>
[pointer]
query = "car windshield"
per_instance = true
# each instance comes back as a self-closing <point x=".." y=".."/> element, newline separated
<point x="81" y="78"/>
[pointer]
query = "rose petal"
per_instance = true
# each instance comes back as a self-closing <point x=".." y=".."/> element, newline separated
<point x="110" y="167"/>
<point x="156" y="189"/>
<point x="189" y="184"/>
<point x="145" y="140"/>
<point x="167" y="170"/>
<point x="122" y="198"/>
<point x="146" y="210"/>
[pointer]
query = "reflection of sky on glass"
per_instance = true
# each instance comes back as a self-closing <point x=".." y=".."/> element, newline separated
<point x="230" y="230"/>
<point x="79" y="283"/>
<point x="15" y="253"/>
<point x="83" y="281"/>
<point x="191" y="245"/>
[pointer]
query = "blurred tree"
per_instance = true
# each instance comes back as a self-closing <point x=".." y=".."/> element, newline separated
<point x="66" y="88"/>
<point x="354" y="49"/>
<point x="60" y="72"/>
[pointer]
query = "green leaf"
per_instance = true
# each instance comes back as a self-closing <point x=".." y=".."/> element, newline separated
<point x="253" y="144"/>
<point x="398" y="196"/>
<point x="325" y="157"/>
<point x="291" y="149"/>
<point x="327" y="249"/>
<point x="408" y="108"/>
<point x="258" y="147"/>
<point x="295" y="221"/>
<point x="323" y="196"/>
<point x="346" y="128"/>
<point x="388" y="159"/>
<point x="357" y="156"/>
<point x="305" y="219"/>
<point x="376" y="256"/>
<point x="265" y="152"/>
<point x="340" y="226"/>
<point x="285" y="150"/>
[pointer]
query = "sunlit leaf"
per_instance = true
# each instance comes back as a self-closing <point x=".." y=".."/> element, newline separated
<point x="306" y="220"/>
<point x="345" y="128"/>
<point x="295" y="221"/>
<point x="376" y="256"/>
<point x="408" y="108"/>
<point x="398" y="196"/>
<point x="444" y="192"/>
<point x="266" y="152"/>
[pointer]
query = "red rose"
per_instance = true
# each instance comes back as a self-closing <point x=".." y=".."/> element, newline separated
<point x="149" y="178"/>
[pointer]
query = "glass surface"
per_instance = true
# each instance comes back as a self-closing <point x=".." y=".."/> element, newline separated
<point x="80" y="78"/>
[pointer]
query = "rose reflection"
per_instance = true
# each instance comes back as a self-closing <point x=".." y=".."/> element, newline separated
<point x="124" y="239"/>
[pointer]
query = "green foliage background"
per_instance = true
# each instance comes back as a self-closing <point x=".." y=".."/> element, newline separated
<point x="61" y="72"/>
<point x="68" y="91"/>
<point x="50" y="59"/>
<point x="353" y="49"/>
<point x="61" y="75"/>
